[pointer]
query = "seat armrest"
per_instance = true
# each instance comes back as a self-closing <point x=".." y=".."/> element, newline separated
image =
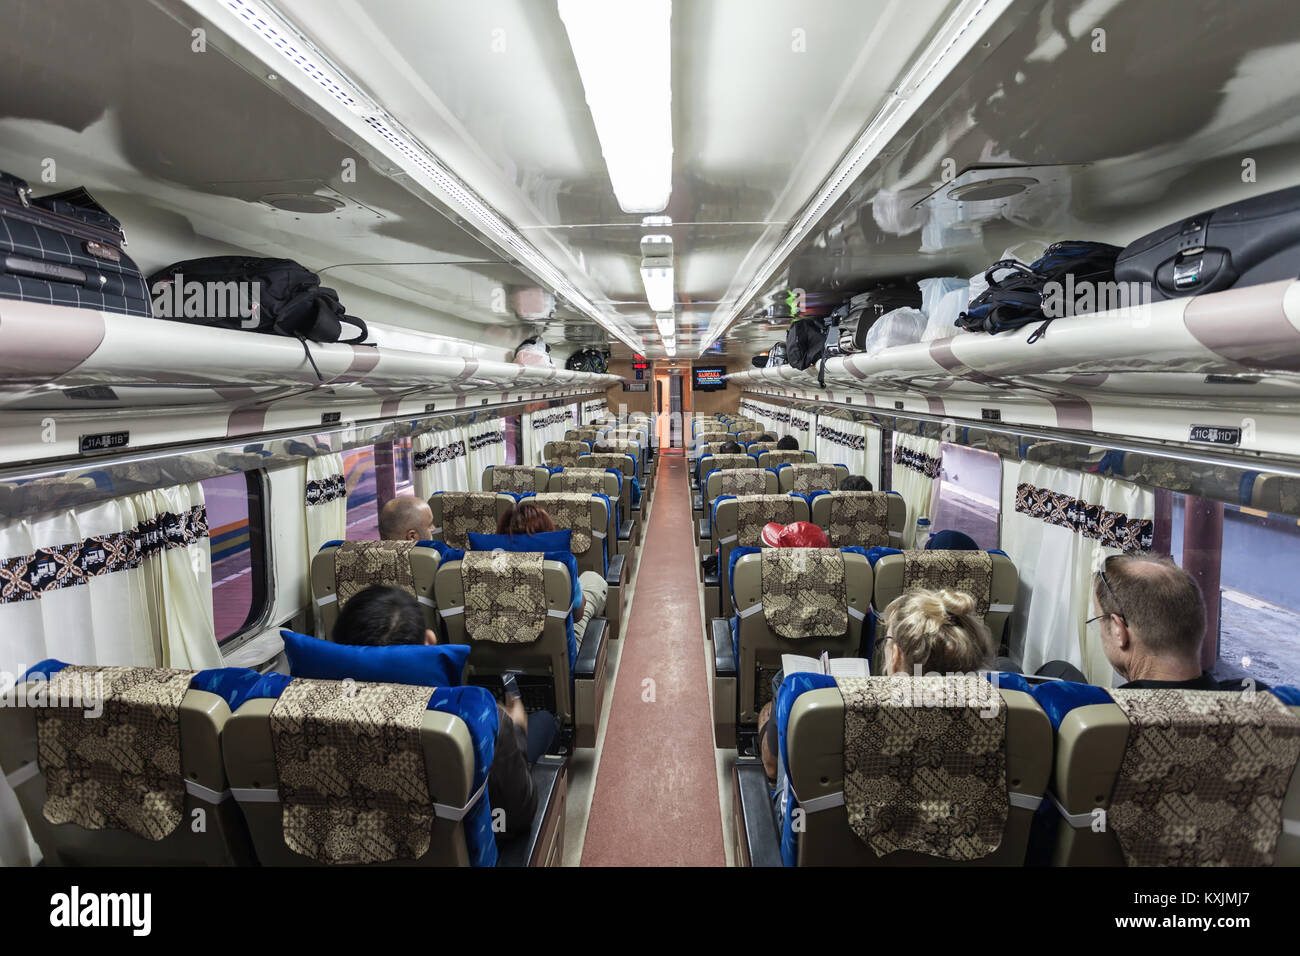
<point x="584" y="668"/>
<point x="697" y="502"/>
<point x="724" y="652"/>
<point x="754" y="808"/>
<point x="711" y="579"/>
<point x="548" y="774"/>
<point x="614" y="570"/>
<point x="706" y="529"/>
<point x="625" y="530"/>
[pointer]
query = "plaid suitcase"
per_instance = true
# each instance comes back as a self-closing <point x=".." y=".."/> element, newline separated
<point x="65" y="250"/>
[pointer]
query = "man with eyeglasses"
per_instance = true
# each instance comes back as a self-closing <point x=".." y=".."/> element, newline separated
<point x="1152" y="618"/>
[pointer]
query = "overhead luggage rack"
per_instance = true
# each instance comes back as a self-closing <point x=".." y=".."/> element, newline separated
<point x="1219" y="371"/>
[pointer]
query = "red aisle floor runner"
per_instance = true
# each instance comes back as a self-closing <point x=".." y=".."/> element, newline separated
<point x="656" y="799"/>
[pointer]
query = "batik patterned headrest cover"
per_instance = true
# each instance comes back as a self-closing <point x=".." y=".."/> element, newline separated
<point x="750" y="436"/>
<point x="586" y="433"/>
<point x="514" y="479"/>
<point x="755" y="511"/>
<point x="625" y="448"/>
<point x="807" y="478"/>
<point x="803" y="592"/>
<point x="570" y="512"/>
<point x="859" y="518"/>
<point x="568" y="449"/>
<point x="1203" y="778"/>
<point x="712" y="436"/>
<point x="716" y="462"/>
<point x="782" y="456"/>
<point x="969" y="571"/>
<point x="755" y="447"/>
<point x="362" y="564"/>
<point x="929" y="779"/>
<point x="617" y="462"/>
<point x="589" y="480"/>
<point x="352" y="778"/>
<point x="463" y="512"/>
<point x="739" y="481"/>
<point x="120" y="770"/>
<point x="505" y="596"/>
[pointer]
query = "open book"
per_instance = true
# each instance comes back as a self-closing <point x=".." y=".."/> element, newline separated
<point x="834" y="666"/>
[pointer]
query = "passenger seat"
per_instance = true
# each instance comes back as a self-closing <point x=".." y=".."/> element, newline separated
<point x="342" y="569"/>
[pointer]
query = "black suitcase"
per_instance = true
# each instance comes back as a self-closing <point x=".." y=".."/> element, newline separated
<point x="66" y="249"/>
<point x="859" y="314"/>
<point x="1244" y="243"/>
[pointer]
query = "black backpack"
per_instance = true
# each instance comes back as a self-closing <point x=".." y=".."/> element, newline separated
<point x="290" y="299"/>
<point x="588" y="360"/>
<point x="805" y="340"/>
<point x="1014" y="301"/>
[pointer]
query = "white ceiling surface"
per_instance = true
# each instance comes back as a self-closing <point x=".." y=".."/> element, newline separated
<point x="767" y="95"/>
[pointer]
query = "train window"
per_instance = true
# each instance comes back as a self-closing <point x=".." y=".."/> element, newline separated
<point x="235" y="527"/>
<point x="967" y="494"/>
<point x="1257" y="600"/>
<point x="403" y="476"/>
<point x="514" y="440"/>
<point x="360" y="480"/>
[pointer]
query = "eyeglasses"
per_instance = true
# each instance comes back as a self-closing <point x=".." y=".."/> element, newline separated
<point x="1101" y="572"/>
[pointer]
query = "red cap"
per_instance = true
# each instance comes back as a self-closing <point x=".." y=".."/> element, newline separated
<point x="802" y="534"/>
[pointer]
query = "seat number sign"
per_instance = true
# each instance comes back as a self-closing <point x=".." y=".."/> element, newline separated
<point x="104" y="441"/>
<point x="1215" y="435"/>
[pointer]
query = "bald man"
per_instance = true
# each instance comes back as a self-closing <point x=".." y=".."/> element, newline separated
<point x="406" y="519"/>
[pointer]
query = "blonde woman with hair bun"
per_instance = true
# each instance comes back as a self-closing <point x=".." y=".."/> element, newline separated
<point x="935" y="632"/>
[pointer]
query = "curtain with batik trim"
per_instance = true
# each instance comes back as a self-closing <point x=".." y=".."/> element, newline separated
<point x="1058" y="526"/>
<point x="325" y="502"/>
<point x="916" y="464"/>
<point x="439" y="461"/>
<point x="485" y="444"/>
<point x="842" y="442"/>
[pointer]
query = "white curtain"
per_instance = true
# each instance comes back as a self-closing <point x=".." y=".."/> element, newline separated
<point x="593" y="410"/>
<point x="841" y="442"/>
<point x="916" y="464"/>
<point x="485" y="444"/>
<point x="1051" y="528"/>
<point x="123" y="582"/>
<point x="438" y="462"/>
<point x="325" y="502"/>
<point x="543" y="427"/>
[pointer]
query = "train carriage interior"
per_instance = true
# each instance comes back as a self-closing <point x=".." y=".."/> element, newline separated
<point x="558" y="433"/>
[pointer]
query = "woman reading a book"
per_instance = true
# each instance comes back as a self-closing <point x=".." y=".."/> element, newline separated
<point x="926" y="632"/>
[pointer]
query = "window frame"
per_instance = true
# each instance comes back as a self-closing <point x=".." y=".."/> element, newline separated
<point x="259" y="550"/>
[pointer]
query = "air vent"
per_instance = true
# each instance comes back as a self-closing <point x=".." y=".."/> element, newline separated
<point x="986" y="189"/>
<point x="302" y="203"/>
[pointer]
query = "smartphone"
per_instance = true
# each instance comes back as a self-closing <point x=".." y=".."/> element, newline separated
<point x="509" y="685"/>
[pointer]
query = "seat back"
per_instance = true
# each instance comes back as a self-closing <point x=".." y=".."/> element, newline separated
<point x="82" y="770"/>
<point x="711" y="448"/>
<point x="395" y="741"/>
<point x="749" y="435"/>
<point x="742" y="480"/>
<point x="587" y="516"/>
<point x="625" y="465"/>
<point x="457" y="513"/>
<point x="635" y="449"/>
<point x="866" y="519"/>
<point x="1232" y="800"/>
<point x="512" y="604"/>
<point x="587" y="433"/>
<point x="755" y="448"/>
<point x="710" y="461"/>
<point x="815" y="744"/>
<point x="515" y="479"/>
<point x="778" y="457"/>
<point x="591" y="481"/>
<point x="558" y="454"/>
<point x="342" y="569"/>
<point x="804" y="479"/>
<point x="794" y="601"/>
<point x="704" y="437"/>
<point x="991" y="578"/>
<point x="738" y="522"/>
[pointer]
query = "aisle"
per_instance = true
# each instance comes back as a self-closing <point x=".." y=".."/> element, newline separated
<point x="656" y="799"/>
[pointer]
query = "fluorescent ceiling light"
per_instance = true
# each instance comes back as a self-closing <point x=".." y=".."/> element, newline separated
<point x="657" y="222"/>
<point x="657" y="275"/>
<point x="962" y="30"/>
<point x="666" y="324"/>
<point x="286" y="47"/>
<point x="624" y="56"/>
<point x="670" y="349"/>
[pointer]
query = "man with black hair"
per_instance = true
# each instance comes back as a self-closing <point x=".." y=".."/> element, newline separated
<point x="731" y="448"/>
<point x="787" y="443"/>
<point x="382" y="615"/>
<point x="767" y="437"/>
<point x="855" y="483"/>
